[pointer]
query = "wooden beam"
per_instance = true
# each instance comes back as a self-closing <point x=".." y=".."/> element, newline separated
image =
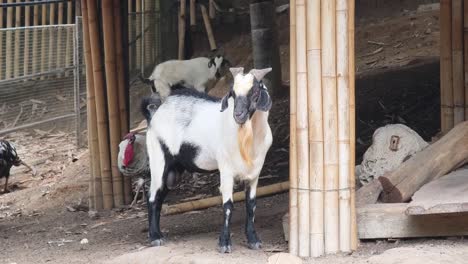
<point x="182" y="29"/>
<point x="209" y="30"/>
<point x="446" y="90"/>
<point x="457" y="62"/>
<point x="377" y="221"/>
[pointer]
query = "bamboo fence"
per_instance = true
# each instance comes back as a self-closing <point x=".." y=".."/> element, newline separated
<point x="322" y="214"/>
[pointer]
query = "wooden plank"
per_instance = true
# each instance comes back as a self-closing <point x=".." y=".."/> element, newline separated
<point x="446" y="91"/>
<point x="390" y="221"/>
<point x="457" y="62"/>
<point x="445" y="195"/>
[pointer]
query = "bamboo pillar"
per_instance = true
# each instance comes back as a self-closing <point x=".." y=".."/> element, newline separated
<point x="100" y="95"/>
<point x="465" y="40"/>
<point x="27" y="23"/>
<point x="1" y="43"/>
<point x="293" y="206"/>
<point x="16" y="58"/>
<point x="446" y="91"/>
<point x="52" y="49"/>
<point x="457" y="62"/>
<point x="34" y="40"/>
<point x="315" y="128"/>
<point x="8" y="42"/>
<point x="112" y="98"/>
<point x="209" y="30"/>
<point x="302" y="130"/>
<point x="44" y="51"/>
<point x="95" y="190"/>
<point x="211" y="9"/>
<point x="127" y="188"/>
<point x="193" y="16"/>
<point x="131" y="34"/>
<point x="138" y="32"/>
<point x="182" y="29"/>
<point x="59" y="37"/>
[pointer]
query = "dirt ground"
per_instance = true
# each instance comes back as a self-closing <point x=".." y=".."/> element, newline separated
<point x="45" y="219"/>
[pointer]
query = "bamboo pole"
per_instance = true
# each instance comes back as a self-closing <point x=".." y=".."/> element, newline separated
<point x="209" y="30"/>
<point x="51" y="37"/>
<point x="1" y="43"/>
<point x="182" y="30"/>
<point x="314" y="79"/>
<point x="342" y="67"/>
<point x="16" y="58"/>
<point x="211" y="9"/>
<point x="293" y="206"/>
<point x="130" y="31"/>
<point x="302" y="129"/>
<point x="34" y="40"/>
<point x="100" y="95"/>
<point x="44" y="51"/>
<point x="8" y="41"/>
<point x="69" y="42"/>
<point x="330" y="128"/>
<point x="138" y="32"/>
<point x="127" y="188"/>
<point x="465" y="39"/>
<point x="352" y="122"/>
<point x="446" y="90"/>
<point x="27" y="23"/>
<point x="193" y="16"/>
<point x="59" y="37"/>
<point x="112" y="98"/>
<point x="95" y="181"/>
<point x="457" y="62"/>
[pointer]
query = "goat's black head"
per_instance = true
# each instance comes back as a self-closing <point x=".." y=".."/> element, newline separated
<point x="249" y="93"/>
<point x="219" y="62"/>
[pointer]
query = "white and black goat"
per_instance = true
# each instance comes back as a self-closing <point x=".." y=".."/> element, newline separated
<point x="195" y="132"/>
<point x="9" y="158"/>
<point x="194" y="73"/>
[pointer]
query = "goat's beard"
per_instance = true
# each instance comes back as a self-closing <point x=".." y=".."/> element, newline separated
<point x="245" y="141"/>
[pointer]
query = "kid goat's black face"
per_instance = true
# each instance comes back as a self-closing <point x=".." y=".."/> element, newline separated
<point x="249" y="93"/>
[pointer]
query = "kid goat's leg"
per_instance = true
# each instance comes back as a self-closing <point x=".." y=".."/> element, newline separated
<point x="227" y="184"/>
<point x="157" y="191"/>
<point x="250" y="205"/>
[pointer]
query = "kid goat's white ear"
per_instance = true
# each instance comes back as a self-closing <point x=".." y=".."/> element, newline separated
<point x="259" y="74"/>
<point x="235" y="71"/>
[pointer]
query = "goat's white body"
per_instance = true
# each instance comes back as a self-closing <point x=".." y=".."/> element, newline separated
<point x="184" y="119"/>
<point x="194" y="72"/>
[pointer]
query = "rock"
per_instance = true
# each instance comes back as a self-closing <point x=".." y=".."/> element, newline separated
<point x="282" y="258"/>
<point x="84" y="241"/>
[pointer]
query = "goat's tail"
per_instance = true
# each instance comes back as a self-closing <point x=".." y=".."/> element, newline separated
<point x="149" y="105"/>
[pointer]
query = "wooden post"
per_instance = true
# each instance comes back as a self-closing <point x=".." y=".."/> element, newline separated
<point x="112" y="98"/>
<point x="329" y="86"/>
<point x="59" y="49"/>
<point x="465" y="38"/>
<point x="27" y="23"/>
<point x="211" y="9"/>
<point x="302" y="129"/>
<point x="193" y="15"/>
<point x="182" y="30"/>
<point x="131" y="32"/>
<point x="265" y="48"/>
<point x="138" y="32"/>
<point x="69" y="44"/>
<point x="314" y="78"/>
<point x="352" y="122"/>
<point x="34" y="40"/>
<point x="293" y="206"/>
<point x="44" y="51"/>
<point x="95" y="181"/>
<point x="457" y="61"/>
<point x="52" y="49"/>
<point x="118" y="25"/>
<point x="8" y="51"/>
<point x="1" y="43"/>
<point x="209" y="30"/>
<point x="16" y="58"/>
<point x="100" y="94"/>
<point x="446" y="90"/>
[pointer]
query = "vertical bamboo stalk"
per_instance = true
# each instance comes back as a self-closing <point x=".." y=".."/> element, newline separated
<point x="182" y="30"/>
<point x="342" y="67"/>
<point x="314" y="79"/>
<point x="8" y="42"/>
<point x="34" y="40"/>
<point x="16" y="57"/>
<point x="138" y="32"/>
<point x="131" y="33"/>
<point x="147" y="40"/>
<point x="1" y="43"/>
<point x="330" y="129"/>
<point x="100" y="97"/>
<point x="69" y="43"/>
<point x="193" y="16"/>
<point x="211" y="9"/>
<point x="127" y="188"/>
<point x="465" y="38"/>
<point x="27" y="23"/>
<point x="457" y="62"/>
<point x="302" y="129"/>
<point x="352" y="122"/>
<point x="52" y="49"/>
<point x="293" y="187"/>
<point x="112" y="98"/>
<point x="44" y="51"/>
<point x="209" y="30"/>
<point x="59" y="37"/>
<point x="446" y="90"/>
<point x="93" y="143"/>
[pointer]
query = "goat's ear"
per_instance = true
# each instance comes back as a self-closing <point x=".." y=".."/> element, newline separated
<point x="264" y="101"/>
<point x="235" y="71"/>
<point x="224" y="101"/>
<point x="259" y="74"/>
<point x="211" y="63"/>
<point x="226" y="62"/>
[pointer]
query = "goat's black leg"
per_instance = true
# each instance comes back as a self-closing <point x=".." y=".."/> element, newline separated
<point x="154" y="216"/>
<point x="227" y="184"/>
<point x="250" y="205"/>
<point x="5" y="188"/>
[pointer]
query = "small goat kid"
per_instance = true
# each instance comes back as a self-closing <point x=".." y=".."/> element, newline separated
<point x="193" y="73"/>
<point x="196" y="132"/>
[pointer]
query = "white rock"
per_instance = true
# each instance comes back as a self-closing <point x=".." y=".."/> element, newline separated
<point x="84" y="241"/>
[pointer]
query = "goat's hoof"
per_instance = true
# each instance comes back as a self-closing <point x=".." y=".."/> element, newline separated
<point x="157" y="242"/>
<point x="255" y="245"/>
<point x="225" y="249"/>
